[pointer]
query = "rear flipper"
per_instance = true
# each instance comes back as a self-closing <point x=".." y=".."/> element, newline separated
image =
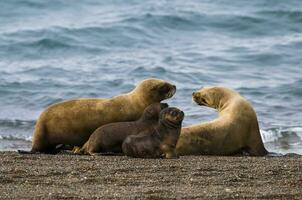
<point x="78" y="150"/>
<point x="49" y="150"/>
<point x="26" y="152"/>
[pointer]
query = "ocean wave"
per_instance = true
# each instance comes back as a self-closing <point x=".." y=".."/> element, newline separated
<point x="161" y="22"/>
<point x="15" y="134"/>
<point x="69" y="41"/>
<point x="294" y="88"/>
<point x="292" y="135"/>
<point x="45" y="47"/>
<point x="149" y="71"/>
<point x="283" y="139"/>
<point x="14" y="138"/>
<point x="289" y="15"/>
<point x="18" y="124"/>
<point x="49" y="70"/>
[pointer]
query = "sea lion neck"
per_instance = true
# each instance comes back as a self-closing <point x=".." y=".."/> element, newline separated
<point x="144" y="118"/>
<point x="139" y="101"/>
<point x="142" y="99"/>
<point x="161" y="130"/>
<point x="167" y="133"/>
<point x="223" y="103"/>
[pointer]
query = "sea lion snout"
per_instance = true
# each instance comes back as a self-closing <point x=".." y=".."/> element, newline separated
<point x="172" y="91"/>
<point x="182" y="114"/>
<point x="195" y="96"/>
<point x="199" y="98"/>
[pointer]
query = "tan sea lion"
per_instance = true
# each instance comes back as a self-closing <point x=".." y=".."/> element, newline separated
<point x="158" y="142"/>
<point x="109" y="138"/>
<point x="72" y="122"/>
<point x="235" y="130"/>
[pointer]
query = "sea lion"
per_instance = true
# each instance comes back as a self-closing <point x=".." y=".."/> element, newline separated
<point x="109" y="138"/>
<point x="236" y="129"/>
<point x="72" y="122"/>
<point x="158" y="142"/>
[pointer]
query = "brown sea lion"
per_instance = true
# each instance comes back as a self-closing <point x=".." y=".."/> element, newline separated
<point x="235" y="130"/>
<point x="72" y="122"/>
<point x="109" y="138"/>
<point x="158" y="142"/>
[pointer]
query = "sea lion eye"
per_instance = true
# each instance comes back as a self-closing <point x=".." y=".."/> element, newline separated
<point x="174" y="113"/>
<point x="203" y="100"/>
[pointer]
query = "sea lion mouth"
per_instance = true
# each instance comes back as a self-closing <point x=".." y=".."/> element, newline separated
<point x="176" y="122"/>
<point x="171" y="92"/>
<point x="200" y="101"/>
<point x="171" y="123"/>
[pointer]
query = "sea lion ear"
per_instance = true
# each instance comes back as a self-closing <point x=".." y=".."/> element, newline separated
<point x="155" y="87"/>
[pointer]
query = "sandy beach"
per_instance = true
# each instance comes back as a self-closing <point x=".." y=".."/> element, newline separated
<point x="118" y="177"/>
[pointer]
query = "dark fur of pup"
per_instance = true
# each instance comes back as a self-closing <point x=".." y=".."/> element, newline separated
<point x="159" y="142"/>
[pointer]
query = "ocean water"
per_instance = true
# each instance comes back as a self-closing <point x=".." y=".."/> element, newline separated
<point x="56" y="50"/>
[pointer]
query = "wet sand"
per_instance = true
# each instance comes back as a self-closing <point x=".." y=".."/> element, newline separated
<point x="118" y="177"/>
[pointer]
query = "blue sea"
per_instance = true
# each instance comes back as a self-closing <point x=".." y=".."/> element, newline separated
<point x="57" y="50"/>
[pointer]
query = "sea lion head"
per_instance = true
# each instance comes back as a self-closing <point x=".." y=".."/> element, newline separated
<point x="172" y="117"/>
<point x="155" y="90"/>
<point x="214" y="97"/>
<point x="153" y="110"/>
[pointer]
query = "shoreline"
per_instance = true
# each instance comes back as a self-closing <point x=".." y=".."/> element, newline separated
<point x="65" y="176"/>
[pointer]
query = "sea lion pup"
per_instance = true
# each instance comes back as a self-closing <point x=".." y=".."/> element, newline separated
<point x="72" y="122"/>
<point x="236" y="130"/>
<point x="158" y="142"/>
<point x="109" y="138"/>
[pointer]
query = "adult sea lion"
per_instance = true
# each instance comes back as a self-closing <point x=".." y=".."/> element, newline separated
<point x="109" y="138"/>
<point x="236" y="129"/>
<point x="72" y="122"/>
<point x="158" y="142"/>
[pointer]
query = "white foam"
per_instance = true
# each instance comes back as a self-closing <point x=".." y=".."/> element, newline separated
<point x="270" y="135"/>
<point x="10" y="137"/>
<point x="273" y="135"/>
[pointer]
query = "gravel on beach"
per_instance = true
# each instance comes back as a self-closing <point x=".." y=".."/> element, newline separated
<point x="66" y="176"/>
